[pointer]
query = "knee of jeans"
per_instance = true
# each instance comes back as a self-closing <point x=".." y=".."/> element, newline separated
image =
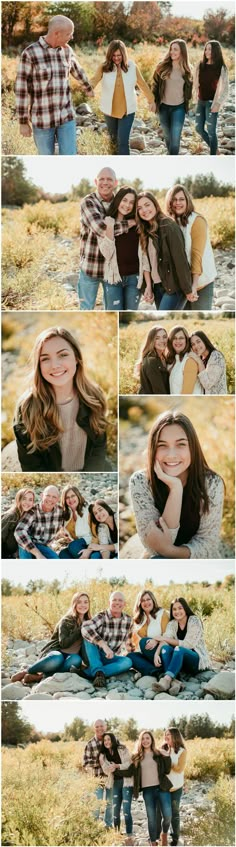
<point x="142" y="643"/>
<point x="177" y="649"/>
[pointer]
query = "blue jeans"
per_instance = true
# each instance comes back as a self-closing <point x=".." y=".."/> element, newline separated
<point x="122" y="795"/>
<point x="56" y="661"/>
<point x="119" y="130"/>
<point x="172" y="121"/>
<point x="46" y="551"/>
<point x="158" y="810"/>
<point x="87" y="290"/>
<point x="205" y="297"/>
<point x="99" y="794"/>
<point x="144" y="661"/>
<point x="203" y="117"/>
<point x="172" y="301"/>
<point x="175" y="658"/>
<point x="73" y="550"/>
<point x="65" y="136"/>
<point x="98" y="662"/>
<point x="124" y="295"/>
<point x="175" y="797"/>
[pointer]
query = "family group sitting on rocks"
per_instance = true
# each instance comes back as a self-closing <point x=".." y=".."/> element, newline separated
<point x="61" y="526"/>
<point x="157" y="772"/>
<point x="44" y="103"/>
<point x="153" y="642"/>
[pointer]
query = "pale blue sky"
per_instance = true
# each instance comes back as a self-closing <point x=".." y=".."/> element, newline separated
<point x="198" y="9"/>
<point x="68" y="572"/>
<point x="52" y="717"/>
<point x="155" y="172"/>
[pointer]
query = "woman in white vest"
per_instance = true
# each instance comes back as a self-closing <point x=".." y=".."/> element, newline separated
<point x="149" y="622"/>
<point x="174" y="743"/>
<point x="182" y="365"/>
<point x="179" y="205"/>
<point x="119" y="76"/>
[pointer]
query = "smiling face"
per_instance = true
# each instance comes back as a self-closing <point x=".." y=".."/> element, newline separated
<point x="179" y="203"/>
<point x="50" y="498"/>
<point x="208" y="52"/>
<point x="57" y="362"/>
<point x="179" y="342"/>
<point x="82" y="605"/>
<point x="198" y="346"/>
<point x="146" y="603"/>
<point x="173" y="451"/>
<point x="27" y="501"/>
<point x="117" y="603"/>
<point x="160" y="341"/>
<point x="168" y="737"/>
<point x="146" y="209"/>
<point x="178" y="612"/>
<point x="175" y="52"/>
<point x="126" y="205"/>
<point x="117" y="57"/>
<point x="146" y="741"/>
<point x="71" y="499"/>
<point x="100" y="513"/>
<point x="107" y="742"/>
<point x="100" y="728"/>
<point x="106" y="183"/>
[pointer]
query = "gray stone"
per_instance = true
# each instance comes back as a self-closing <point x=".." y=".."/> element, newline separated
<point x="137" y="142"/>
<point x="39" y="697"/>
<point x="64" y="682"/>
<point x="146" y="682"/>
<point x="115" y="695"/>
<point x="6" y="681"/>
<point x="15" y="691"/>
<point x="164" y="696"/>
<point x="222" y="686"/>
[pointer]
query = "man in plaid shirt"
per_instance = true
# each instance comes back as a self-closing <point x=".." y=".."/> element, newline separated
<point x="107" y="634"/>
<point x="39" y="526"/>
<point x="93" y="210"/>
<point x="42" y="89"/>
<point x="91" y="765"/>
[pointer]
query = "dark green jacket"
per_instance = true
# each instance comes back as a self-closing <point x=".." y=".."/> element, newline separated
<point x="159" y="90"/>
<point x="163" y="766"/>
<point x="173" y="267"/>
<point x="154" y="377"/>
<point x="66" y="632"/>
<point x="9" y="523"/>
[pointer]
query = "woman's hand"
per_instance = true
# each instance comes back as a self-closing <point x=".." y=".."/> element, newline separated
<point x="197" y="359"/>
<point x="85" y="554"/>
<point x="164" y="752"/>
<point x="164" y="477"/>
<point x="152" y="107"/>
<point x="191" y="297"/>
<point x="151" y="643"/>
<point x="157" y="659"/>
<point x="148" y="295"/>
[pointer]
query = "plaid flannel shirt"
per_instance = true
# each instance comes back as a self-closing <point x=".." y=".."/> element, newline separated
<point x="42" y="84"/>
<point x="91" y="757"/>
<point x="92" y="225"/>
<point x="116" y="632"/>
<point x="37" y="525"/>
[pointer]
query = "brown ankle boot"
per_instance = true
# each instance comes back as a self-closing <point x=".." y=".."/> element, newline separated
<point x="164" y="839"/>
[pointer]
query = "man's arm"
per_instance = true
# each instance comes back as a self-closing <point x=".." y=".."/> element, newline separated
<point x="79" y="74"/>
<point x="88" y="760"/>
<point x="23" y="92"/>
<point x="23" y="538"/>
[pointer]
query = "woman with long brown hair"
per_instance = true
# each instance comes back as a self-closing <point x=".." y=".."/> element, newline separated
<point x="178" y="499"/>
<point x="162" y="249"/>
<point x="103" y="524"/>
<point x="121" y="267"/>
<point x="63" y="652"/>
<point x="182" y="647"/>
<point x="60" y="421"/>
<point x="151" y="366"/>
<point x="199" y="253"/>
<point x="119" y="76"/>
<point x="172" y="90"/>
<point x="173" y="740"/>
<point x="151" y="766"/>
<point x="149" y="622"/>
<point x="182" y="365"/>
<point x="24" y="501"/>
<point x="211" y="86"/>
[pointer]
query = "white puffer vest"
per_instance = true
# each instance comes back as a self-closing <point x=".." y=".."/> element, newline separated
<point x="208" y="261"/>
<point x="108" y="85"/>
<point x="177" y="376"/>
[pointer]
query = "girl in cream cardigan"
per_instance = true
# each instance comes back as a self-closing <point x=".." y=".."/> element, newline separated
<point x="119" y="76"/>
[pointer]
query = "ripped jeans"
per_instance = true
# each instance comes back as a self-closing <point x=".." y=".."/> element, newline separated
<point x="122" y="796"/>
<point x="124" y="295"/>
<point x="206" y="121"/>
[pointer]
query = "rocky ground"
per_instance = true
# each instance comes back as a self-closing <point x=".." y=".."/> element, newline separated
<point x="215" y="684"/>
<point x="92" y="486"/>
<point x="147" y="136"/>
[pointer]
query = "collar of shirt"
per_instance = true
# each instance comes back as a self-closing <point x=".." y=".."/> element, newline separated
<point x="112" y="618"/>
<point x="105" y="203"/>
<point x="44" y="43"/>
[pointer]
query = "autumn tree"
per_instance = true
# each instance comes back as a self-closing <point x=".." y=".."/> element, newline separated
<point x="15" y="729"/>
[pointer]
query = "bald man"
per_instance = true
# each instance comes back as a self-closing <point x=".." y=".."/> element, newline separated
<point x="93" y="210"/>
<point x="43" y="97"/>
<point x="38" y="527"/>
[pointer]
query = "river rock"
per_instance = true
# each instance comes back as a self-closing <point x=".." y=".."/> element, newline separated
<point x="15" y="691"/>
<point x="146" y="682"/>
<point x="222" y="686"/>
<point x="39" y="697"/>
<point x="137" y="142"/>
<point x="63" y="682"/>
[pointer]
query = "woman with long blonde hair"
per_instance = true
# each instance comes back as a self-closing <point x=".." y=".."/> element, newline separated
<point x="60" y="421"/>
<point x="151" y="367"/>
<point x="151" y="766"/>
<point x="119" y="76"/>
<point x="24" y="501"/>
<point x="63" y="652"/>
<point x="172" y="90"/>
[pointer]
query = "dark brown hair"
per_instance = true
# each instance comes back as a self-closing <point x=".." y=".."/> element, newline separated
<point x="169" y="203"/>
<point x="217" y="57"/>
<point x="171" y="352"/>
<point x="210" y="347"/>
<point x="146" y="228"/>
<point x="66" y="508"/>
<point x="115" y="202"/>
<point x="138" y="613"/>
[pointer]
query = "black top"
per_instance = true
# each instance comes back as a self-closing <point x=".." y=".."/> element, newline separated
<point x="127" y="252"/>
<point x="154" y="377"/>
<point x="208" y="80"/>
<point x="181" y="633"/>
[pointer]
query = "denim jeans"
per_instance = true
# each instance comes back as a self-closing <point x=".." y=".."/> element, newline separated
<point x="205" y="297"/>
<point x="99" y="794"/>
<point x="172" y="121"/>
<point x="158" y="810"/>
<point x="175" y="797"/>
<point x="122" y="795"/>
<point x="175" y="658"/>
<point x="172" y="301"/>
<point x="144" y="661"/>
<point x="65" y="135"/>
<point x="87" y="290"/>
<point x="124" y="295"/>
<point x="204" y="117"/>
<point x="98" y="662"/>
<point x="119" y="130"/>
<point x="75" y="548"/>
<point x="46" y="551"/>
<point x="56" y="661"/>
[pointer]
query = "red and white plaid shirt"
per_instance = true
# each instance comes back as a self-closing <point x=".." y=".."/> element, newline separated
<point x="42" y="84"/>
<point x="92" y="225"/>
<point x="116" y="632"/>
<point x="38" y="526"/>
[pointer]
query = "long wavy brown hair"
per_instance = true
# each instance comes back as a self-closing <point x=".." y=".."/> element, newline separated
<point x="171" y="352"/>
<point x="177" y="738"/>
<point x="164" y="67"/>
<point x="216" y="55"/>
<point x="74" y="601"/>
<point x="146" y="228"/>
<point x="148" y="347"/>
<point x="138" y="613"/>
<point x="19" y="497"/>
<point x="81" y="501"/>
<point x="114" y="45"/>
<point x="39" y="410"/>
<point x="138" y="754"/>
<point x="170" y="196"/>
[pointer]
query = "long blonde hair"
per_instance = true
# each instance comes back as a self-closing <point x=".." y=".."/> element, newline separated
<point x="147" y="347"/>
<point x="39" y="411"/>
<point x="19" y="497"/>
<point x="74" y="601"/>
<point x="145" y="228"/>
<point x="138" y="754"/>
<point x="164" y="67"/>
